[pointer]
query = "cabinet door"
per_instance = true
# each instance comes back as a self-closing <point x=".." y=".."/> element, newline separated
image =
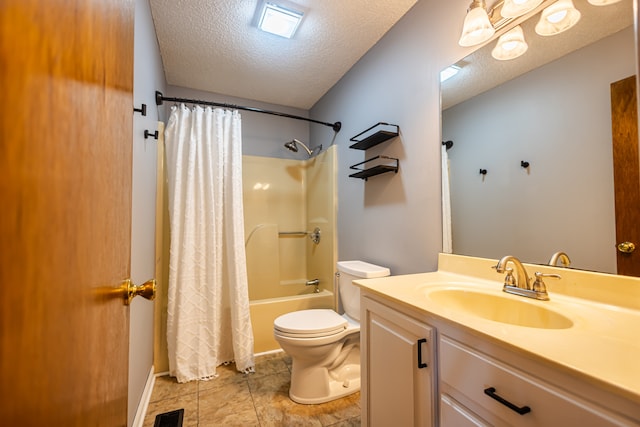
<point x="397" y="358"/>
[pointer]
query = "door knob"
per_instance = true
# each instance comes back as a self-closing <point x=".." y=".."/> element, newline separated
<point x="130" y="291"/>
<point x="626" y="247"/>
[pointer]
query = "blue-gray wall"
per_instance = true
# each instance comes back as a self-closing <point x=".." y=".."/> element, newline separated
<point x="148" y="76"/>
<point x="395" y="220"/>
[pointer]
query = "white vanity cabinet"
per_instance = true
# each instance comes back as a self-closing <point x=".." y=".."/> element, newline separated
<point x="442" y="374"/>
<point x="484" y="366"/>
<point x="398" y="365"/>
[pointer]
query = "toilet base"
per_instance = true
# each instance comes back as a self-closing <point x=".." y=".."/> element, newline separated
<point x="316" y="384"/>
<point x="336" y="391"/>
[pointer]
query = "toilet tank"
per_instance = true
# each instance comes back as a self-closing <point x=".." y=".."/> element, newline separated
<point x="349" y="294"/>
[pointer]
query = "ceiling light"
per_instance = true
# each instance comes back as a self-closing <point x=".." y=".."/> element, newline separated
<point x="449" y="72"/>
<point x="510" y="45"/>
<point x="477" y="28"/>
<point x="603" y="2"/>
<point x="558" y="17"/>
<point x="279" y="20"/>
<point x="515" y="8"/>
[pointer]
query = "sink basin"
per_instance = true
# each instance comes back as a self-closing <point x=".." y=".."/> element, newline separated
<point x="499" y="308"/>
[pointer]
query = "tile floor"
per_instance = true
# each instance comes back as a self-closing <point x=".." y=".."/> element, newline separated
<point x="257" y="399"/>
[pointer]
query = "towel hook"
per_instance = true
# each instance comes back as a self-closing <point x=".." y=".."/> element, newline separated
<point x="142" y="110"/>
<point x="148" y="134"/>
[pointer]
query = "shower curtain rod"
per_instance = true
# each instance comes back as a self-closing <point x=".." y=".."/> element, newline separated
<point x="161" y="98"/>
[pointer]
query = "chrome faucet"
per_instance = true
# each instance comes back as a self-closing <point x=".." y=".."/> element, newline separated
<point x="314" y="282"/>
<point x="560" y="256"/>
<point x="519" y="285"/>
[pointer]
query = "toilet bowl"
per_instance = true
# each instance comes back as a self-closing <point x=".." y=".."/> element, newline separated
<point x="324" y="346"/>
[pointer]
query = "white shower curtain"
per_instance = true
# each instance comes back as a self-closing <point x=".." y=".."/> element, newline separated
<point x="208" y="320"/>
<point x="447" y="241"/>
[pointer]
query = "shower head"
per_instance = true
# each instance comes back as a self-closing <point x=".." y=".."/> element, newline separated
<point x="293" y="146"/>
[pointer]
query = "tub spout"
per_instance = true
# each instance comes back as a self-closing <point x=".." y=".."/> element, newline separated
<point x="314" y="282"/>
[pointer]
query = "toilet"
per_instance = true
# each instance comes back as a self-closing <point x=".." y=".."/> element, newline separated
<point x="325" y="346"/>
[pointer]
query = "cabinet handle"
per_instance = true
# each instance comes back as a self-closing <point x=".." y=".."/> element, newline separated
<point x="420" y="363"/>
<point x="491" y="392"/>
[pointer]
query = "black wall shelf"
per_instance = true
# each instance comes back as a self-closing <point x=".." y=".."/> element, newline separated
<point x="368" y="138"/>
<point x="374" y="170"/>
<point x="375" y="135"/>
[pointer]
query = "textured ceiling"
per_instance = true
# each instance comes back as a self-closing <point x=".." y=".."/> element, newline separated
<point x="213" y="45"/>
<point x="480" y="72"/>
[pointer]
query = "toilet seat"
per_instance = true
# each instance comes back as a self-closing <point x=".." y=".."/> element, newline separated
<point x="310" y="324"/>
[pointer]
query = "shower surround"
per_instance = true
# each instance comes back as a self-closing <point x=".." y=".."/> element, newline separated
<point x="284" y="195"/>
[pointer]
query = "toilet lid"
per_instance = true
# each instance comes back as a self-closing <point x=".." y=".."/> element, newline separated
<point x="316" y="322"/>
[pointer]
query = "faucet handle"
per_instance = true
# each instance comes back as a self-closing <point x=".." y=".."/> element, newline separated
<point x="509" y="280"/>
<point x="538" y="285"/>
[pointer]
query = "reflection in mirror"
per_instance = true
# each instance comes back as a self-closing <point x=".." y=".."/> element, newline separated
<point x="556" y="118"/>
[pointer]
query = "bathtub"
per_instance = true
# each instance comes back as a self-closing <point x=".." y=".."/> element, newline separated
<point x="265" y="311"/>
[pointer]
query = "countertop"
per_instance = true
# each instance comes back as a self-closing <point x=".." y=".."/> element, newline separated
<point x="603" y="345"/>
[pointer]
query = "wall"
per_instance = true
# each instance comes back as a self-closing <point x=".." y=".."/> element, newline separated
<point x="395" y="220"/>
<point x="148" y="77"/>
<point x="558" y="118"/>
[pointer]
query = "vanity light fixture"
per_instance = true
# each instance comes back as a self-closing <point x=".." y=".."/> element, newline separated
<point x="279" y="20"/>
<point x="476" y="28"/>
<point x="557" y="18"/>
<point x="481" y="24"/>
<point x="510" y="45"/>
<point x="515" y="8"/>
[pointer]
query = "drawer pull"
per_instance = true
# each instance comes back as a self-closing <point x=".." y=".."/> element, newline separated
<point x="420" y="363"/>
<point x="491" y="392"/>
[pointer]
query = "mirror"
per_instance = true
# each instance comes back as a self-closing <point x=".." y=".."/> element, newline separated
<point x="550" y="110"/>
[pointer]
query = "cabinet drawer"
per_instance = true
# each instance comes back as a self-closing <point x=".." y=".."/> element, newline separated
<point x="468" y="376"/>
<point x="454" y="414"/>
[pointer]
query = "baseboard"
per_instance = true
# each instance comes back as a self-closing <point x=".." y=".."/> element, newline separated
<point x="141" y="412"/>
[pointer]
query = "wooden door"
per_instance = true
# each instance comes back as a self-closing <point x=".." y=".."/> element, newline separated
<point x="626" y="172"/>
<point x="66" y="77"/>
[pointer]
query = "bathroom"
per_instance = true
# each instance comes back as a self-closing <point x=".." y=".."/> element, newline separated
<point x="392" y="220"/>
<point x="373" y="216"/>
<point x="365" y="208"/>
